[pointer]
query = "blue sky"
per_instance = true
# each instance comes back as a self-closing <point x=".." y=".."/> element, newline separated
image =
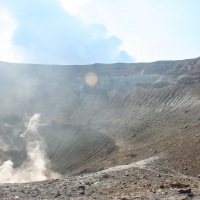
<point x="98" y="31"/>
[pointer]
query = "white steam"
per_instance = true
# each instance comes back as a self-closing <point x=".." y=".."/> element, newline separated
<point x="35" y="167"/>
<point x="32" y="125"/>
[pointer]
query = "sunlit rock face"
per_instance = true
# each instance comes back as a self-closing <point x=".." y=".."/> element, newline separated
<point x="77" y="114"/>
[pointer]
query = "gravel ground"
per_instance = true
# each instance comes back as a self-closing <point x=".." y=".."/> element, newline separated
<point x="140" y="180"/>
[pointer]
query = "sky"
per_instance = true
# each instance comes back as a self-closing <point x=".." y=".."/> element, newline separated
<point x="98" y="31"/>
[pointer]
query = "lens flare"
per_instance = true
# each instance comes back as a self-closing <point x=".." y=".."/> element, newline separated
<point x="91" y="78"/>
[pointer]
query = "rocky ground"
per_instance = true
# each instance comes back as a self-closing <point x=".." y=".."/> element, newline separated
<point x="146" y="179"/>
<point x="129" y="137"/>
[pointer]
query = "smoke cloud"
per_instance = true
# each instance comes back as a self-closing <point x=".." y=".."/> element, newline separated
<point x="35" y="168"/>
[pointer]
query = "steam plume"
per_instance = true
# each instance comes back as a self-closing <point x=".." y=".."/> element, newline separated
<point x="35" y="167"/>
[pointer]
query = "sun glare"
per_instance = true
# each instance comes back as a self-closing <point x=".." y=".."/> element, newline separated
<point x="91" y="79"/>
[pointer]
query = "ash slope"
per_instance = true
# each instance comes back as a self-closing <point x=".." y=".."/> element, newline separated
<point x="135" y="111"/>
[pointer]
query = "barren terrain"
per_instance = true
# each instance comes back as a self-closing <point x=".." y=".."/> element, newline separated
<point x="134" y="134"/>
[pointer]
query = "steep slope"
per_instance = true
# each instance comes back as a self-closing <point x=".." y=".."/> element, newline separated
<point x="134" y="111"/>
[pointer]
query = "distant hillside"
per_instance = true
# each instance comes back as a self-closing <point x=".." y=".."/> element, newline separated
<point x="130" y="109"/>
